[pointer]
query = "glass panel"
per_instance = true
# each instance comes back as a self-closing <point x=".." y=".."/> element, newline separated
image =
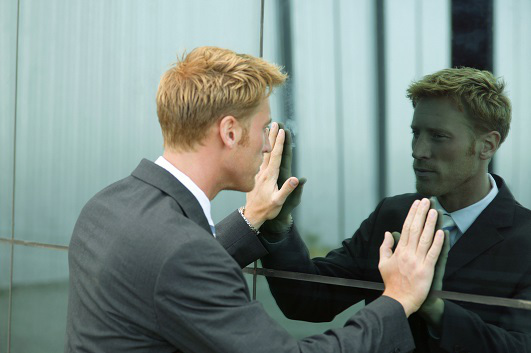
<point x="299" y="329"/>
<point x="512" y="54"/>
<point x="5" y="269"/>
<point x="417" y="43"/>
<point x="326" y="103"/>
<point x="8" y="43"/>
<point x="89" y="72"/>
<point x="40" y="300"/>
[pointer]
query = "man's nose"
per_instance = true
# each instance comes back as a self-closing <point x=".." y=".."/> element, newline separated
<point x="421" y="148"/>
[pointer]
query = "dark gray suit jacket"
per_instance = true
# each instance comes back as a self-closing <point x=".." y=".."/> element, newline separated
<point x="146" y="275"/>
<point x="492" y="258"/>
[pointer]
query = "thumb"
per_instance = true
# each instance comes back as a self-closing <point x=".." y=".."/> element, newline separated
<point x="386" y="250"/>
<point x="287" y="188"/>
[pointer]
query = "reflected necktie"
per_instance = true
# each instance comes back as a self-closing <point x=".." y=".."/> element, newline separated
<point x="449" y="225"/>
<point x="213" y="229"/>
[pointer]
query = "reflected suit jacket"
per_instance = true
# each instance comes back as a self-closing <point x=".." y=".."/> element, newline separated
<point x="492" y="258"/>
<point x="146" y="275"/>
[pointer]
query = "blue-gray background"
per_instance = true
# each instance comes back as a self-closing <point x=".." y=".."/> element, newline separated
<point x="77" y="112"/>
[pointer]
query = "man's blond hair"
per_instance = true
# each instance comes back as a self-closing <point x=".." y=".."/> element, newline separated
<point x="206" y="85"/>
<point x="476" y="92"/>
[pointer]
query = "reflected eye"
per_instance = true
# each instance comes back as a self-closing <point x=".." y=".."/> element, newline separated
<point x="438" y="136"/>
<point x="415" y="133"/>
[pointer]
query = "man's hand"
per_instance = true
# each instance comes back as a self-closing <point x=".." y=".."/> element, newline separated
<point x="282" y="222"/>
<point x="265" y="201"/>
<point x="408" y="271"/>
<point x="433" y="308"/>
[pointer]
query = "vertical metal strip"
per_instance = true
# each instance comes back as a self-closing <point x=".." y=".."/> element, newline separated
<point x="12" y="251"/>
<point x="262" y="5"/>
<point x="340" y="145"/>
<point x="381" y="100"/>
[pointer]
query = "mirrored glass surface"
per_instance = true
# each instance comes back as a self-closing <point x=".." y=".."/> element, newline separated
<point x="297" y="328"/>
<point x="5" y="269"/>
<point x="88" y="75"/>
<point x="40" y="300"/>
<point x="511" y="57"/>
<point x="8" y="44"/>
<point x="341" y="199"/>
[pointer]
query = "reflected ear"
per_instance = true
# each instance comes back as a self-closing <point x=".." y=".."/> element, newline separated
<point x="229" y="131"/>
<point x="490" y="144"/>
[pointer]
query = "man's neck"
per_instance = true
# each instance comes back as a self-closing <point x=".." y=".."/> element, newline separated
<point x="199" y="165"/>
<point x="467" y="194"/>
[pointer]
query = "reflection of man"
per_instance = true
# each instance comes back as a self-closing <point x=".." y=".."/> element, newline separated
<point x="461" y="117"/>
<point x="146" y="271"/>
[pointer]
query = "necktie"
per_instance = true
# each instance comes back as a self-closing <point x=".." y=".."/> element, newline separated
<point x="449" y="225"/>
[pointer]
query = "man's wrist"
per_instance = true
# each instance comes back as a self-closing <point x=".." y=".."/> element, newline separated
<point x="250" y="219"/>
<point x="408" y="307"/>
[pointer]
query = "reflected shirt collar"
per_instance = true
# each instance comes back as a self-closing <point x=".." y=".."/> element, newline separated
<point x="190" y="185"/>
<point x="464" y="217"/>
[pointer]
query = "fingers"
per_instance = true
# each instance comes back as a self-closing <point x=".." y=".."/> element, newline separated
<point x="273" y="133"/>
<point x="426" y="237"/>
<point x="285" y="164"/>
<point x="435" y="250"/>
<point x="396" y="238"/>
<point x="417" y="225"/>
<point x="439" y="217"/>
<point x="440" y="267"/>
<point x="276" y="154"/>
<point x="386" y="249"/>
<point x="408" y="221"/>
<point x="286" y="189"/>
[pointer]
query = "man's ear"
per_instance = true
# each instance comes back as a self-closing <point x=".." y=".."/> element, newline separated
<point x="230" y="131"/>
<point x="490" y="143"/>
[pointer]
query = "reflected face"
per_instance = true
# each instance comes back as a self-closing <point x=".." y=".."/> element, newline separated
<point x="444" y="149"/>
<point x="251" y="149"/>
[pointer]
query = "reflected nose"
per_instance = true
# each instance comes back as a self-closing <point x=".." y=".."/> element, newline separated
<point x="420" y="148"/>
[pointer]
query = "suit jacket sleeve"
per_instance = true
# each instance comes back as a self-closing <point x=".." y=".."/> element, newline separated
<point x="465" y="331"/>
<point x="239" y="240"/>
<point x="202" y="305"/>
<point x="318" y="302"/>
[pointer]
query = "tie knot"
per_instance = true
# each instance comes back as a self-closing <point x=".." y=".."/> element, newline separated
<point x="447" y="222"/>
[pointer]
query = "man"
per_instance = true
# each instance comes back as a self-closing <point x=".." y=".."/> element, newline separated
<point x="147" y="273"/>
<point x="461" y="116"/>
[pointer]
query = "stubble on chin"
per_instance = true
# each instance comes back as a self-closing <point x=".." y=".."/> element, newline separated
<point x="425" y="189"/>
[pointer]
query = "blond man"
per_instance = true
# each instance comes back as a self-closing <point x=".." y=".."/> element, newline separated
<point x="147" y="273"/>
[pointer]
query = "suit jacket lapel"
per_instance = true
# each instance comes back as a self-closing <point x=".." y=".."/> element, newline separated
<point x="483" y="233"/>
<point x="160" y="178"/>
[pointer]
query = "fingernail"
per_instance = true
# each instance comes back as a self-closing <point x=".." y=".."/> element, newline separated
<point x="294" y="182"/>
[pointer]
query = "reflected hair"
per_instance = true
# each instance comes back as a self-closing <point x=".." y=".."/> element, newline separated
<point x="206" y="85"/>
<point x="476" y="92"/>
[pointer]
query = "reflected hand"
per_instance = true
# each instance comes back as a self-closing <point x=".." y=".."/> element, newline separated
<point x="282" y="222"/>
<point x="433" y="308"/>
<point x="266" y="200"/>
<point x="408" y="271"/>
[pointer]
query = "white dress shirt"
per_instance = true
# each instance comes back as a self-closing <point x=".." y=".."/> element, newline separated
<point x="190" y="185"/>
<point x="464" y="217"/>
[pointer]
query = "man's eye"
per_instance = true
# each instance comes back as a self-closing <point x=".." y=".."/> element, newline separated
<point x="439" y="136"/>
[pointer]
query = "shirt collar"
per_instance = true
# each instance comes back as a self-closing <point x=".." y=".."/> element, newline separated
<point x="190" y="185"/>
<point x="464" y="217"/>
